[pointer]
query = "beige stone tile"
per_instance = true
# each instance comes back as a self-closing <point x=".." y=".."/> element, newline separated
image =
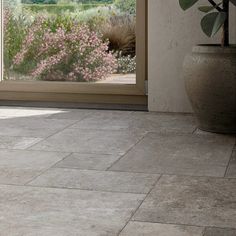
<point x="91" y="141"/>
<point x="199" y="201"/>
<point x="96" y="180"/>
<point x="32" y="127"/>
<point x="179" y="154"/>
<point x="220" y="232"/>
<point x="19" y="167"/>
<point x="155" y="122"/>
<point x="88" y="161"/>
<point x="42" y="211"/>
<point x="154" y="229"/>
<point x="9" y="142"/>
<point x="24" y="112"/>
<point x="72" y="114"/>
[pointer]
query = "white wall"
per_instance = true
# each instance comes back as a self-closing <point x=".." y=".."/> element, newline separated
<point x="172" y="33"/>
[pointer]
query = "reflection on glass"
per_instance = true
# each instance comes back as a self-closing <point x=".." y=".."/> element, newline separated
<point x="70" y="40"/>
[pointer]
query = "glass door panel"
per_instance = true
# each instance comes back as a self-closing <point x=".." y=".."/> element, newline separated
<point x="70" y="40"/>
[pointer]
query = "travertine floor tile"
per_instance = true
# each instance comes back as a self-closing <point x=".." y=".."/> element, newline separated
<point x="19" y="167"/>
<point x="32" y="127"/>
<point x="191" y="201"/>
<point x="96" y="180"/>
<point x="23" y="112"/>
<point x="155" y="122"/>
<point x="91" y="141"/>
<point x="154" y="229"/>
<point x="72" y="114"/>
<point x="88" y="161"/>
<point x="40" y="211"/>
<point x="219" y="232"/>
<point x="179" y="154"/>
<point x="10" y="142"/>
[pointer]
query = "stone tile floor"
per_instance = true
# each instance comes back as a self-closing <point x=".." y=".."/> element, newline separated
<point x="113" y="173"/>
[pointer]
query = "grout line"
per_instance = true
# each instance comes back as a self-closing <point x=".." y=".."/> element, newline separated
<point x="204" y="227"/>
<point x="45" y="170"/>
<point x="96" y="170"/>
<point x="54" y="165"/>
<point x="132" y="215"/>
<point x="26" y="150"/>
<point x="173" y="174"/>
<point x="188" y="225"/>
<point x="61" y="130"/>
<point x="73" y="189"/>
<point x="227" y="167"/>
<point x="135" y="144"/>
<point x="218" y="227"/>
<point x="204" y="231"/>
<point x="195" y="130"/>
<point x="82" y="153"/>
<point x="145" y="173"/>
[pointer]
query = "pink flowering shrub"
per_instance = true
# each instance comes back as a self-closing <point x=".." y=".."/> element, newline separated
<point x="72" y="53"/>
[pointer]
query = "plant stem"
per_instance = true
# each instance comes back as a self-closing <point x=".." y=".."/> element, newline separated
<point x="225" y="34"/>
<point x="212" y="2"/>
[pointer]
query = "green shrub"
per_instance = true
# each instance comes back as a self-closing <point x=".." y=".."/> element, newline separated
<point x="126" y="6"/>
<point x="14" y="33"/>
<point x="94" y="17"/>
<point x="60" y="8"/>
<point x="50" y="8"/>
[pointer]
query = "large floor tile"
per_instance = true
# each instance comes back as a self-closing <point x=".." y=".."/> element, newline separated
<point x="38" y="211"/>
<point x="153" y="229"/>
<point x="96" y="180"/>
<point x="91" y="141"/>
<point x="231" y="171"/>
<point x="219" y="232"/>
<point x="188" y="200"/>
<point x="157" y="122"/>
<point x="32" y="127"/>
<point x="19" y="167"/>
<point x="20" y="112"/>
<point x="179" y="154"/>
<point x="72" y="114"/>
<point x="17" y="142"/>
<point x="106" y="120"/>
<point x="88" y="161"/>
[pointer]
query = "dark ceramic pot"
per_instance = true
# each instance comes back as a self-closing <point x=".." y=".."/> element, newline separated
<point x="210" y="79"/>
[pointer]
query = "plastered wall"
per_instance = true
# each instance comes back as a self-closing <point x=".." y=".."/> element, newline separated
<point x="172" y="33"/>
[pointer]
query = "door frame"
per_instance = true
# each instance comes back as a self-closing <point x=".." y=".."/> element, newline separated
<point x="85" y="92"/>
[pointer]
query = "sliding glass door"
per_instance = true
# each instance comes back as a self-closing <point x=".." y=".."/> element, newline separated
<point x="73" y="50"/>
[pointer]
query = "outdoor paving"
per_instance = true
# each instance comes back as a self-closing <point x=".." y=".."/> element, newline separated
<point x="66" y="172"/>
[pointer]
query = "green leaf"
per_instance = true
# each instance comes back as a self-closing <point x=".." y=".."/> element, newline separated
<point x="233" y="1"/>
<point x="212" y="22"/>
<point x="207" y="9"/>
<point x="186" y="4"/>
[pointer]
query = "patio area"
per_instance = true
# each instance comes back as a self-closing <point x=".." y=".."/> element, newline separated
<point x="71" y="172"/>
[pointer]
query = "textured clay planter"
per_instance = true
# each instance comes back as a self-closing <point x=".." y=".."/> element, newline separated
<point x="210" y="79"/>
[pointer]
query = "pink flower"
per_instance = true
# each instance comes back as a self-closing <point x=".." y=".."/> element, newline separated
<point x="78" y="54"/>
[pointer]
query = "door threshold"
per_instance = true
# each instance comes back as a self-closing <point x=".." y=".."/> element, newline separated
<point x="71" y="105"/>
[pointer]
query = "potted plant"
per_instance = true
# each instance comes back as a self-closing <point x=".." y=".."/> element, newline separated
<point x="210" y="70"/>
